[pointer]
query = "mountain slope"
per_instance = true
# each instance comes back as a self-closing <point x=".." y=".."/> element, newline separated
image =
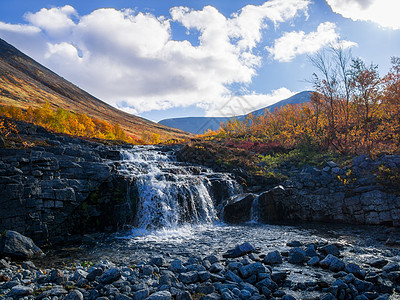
<point x="24" y="82"/>
<point x="199" y="125"/>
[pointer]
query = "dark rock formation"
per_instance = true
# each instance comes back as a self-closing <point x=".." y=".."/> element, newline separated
<point x="238" y="208"/>
<point x="358" y="194"/>
<point x="66" y="186"/>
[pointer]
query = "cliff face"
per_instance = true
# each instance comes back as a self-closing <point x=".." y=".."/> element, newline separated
<point x="66" y="186"/>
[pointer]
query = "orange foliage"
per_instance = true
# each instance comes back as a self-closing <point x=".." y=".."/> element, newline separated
<point x="364" y="119"/>
<point x="65" y="121"/>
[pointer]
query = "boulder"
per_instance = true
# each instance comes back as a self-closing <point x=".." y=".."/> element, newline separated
<point x="239" y="250"/>
<point x="273" y="258"/>
<point x="14" y="244"/>
<point x="297" y="256"/>
<point x="238" y="209"/>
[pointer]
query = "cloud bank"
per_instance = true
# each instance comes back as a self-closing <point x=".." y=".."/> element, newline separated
<point x="130" y="59"/>
<point x="291" y="44"/>
<point x="383" y="12"/>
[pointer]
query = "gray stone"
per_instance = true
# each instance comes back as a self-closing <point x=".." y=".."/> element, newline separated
<point x="110" y="276"/>
<point x="391" y="267"/>
<point x="330" y="249"/>
<point x="183" y="295"/>
<point x="176" y="266"/>
<point x="189" y="277"/>
<point x="239" y="250"/>
<point x="273" y="258"/>
<point x="251" y="269"/>
<point x="147" y="270"/>
<point x="216" y="268"/>
<point x="310" y="251"/>
<point x="158" y="261"/>
<point x="74" y="295"/>
<point x="333" y="263"/>
<point x="297" y="256"/>
<point x="161" y="295"/>
<point x="354" y="269"/>
<point x="141" y="294"/>
<point x="20" y="291"/>
<point x="294" y="244"/>
<point x="206" y="289"/>
<point x="93" y="273"/>
<point x="204" y="275"/>
<point x="16" y="245"/>
<point x="313" y="261"/>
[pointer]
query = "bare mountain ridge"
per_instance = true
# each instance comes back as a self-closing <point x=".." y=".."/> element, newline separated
<point x="24" y="82"/>
<point x="199" y="125"/>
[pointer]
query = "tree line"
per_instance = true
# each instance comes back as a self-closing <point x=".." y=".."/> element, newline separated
<point x="352" y="110"/>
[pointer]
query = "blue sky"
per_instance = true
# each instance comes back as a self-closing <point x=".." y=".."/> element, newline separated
<point x="161" y="59"/>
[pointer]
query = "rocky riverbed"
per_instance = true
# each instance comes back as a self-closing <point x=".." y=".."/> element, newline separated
<point x="272" y="262"/>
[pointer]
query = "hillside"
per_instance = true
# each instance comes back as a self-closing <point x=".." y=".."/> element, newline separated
<point x="199" y="125"/>
<point x="24" y="82"/>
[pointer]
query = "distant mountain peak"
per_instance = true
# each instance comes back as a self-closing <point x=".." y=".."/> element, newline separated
<point x="199" y="125"/>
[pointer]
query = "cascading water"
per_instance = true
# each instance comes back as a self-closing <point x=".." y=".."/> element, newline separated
<point x="170" y="193"/>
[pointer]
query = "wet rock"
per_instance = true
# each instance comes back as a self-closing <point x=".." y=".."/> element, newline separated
<point x="147" y="270"/>
<point x="297" y="256"/>
<point x="362" y="286"/>
<point x="183" y="295"/>
<point x="176" y="266"/>
<point x="74" y="295"/>
<point x="378" y="263"/>
<point x="141" y="294"/>
<point x="391" y="267"/>
<point x="239" y="250"/>
<point x="212" y="259"/>
<point x="204" y="276"/>
<point x="158" y="261"/>
<point x="14" y="244"/>
<point x="93" y="273"/>
<point x="273" y="258"/>
<point x="110" y="276"/>
<point x="354" y="269"/>
<point x="4" y="264"/>
<point x="330" y="249"/>
<point x="251" y="269"/>
<point x="333" y="263"/>
<point x="161" y="295"/>
<point x="216" y="268"/>
<point x="294" y="244"/>
<point x="310" y="251"/>
<point x="313" y="261"/>
<point x="206" y="289"/>
<point x="232" y="277"/>
<point x="238" y="210"/>
<point x="189" y="277"/>
<point x="56" y="276"/>
<point x="20" y="291"/>
<point x="279" y="277"/>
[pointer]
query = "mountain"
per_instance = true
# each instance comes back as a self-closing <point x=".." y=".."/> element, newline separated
<point x="199" y="125"/>
<point x="24" y="82"/>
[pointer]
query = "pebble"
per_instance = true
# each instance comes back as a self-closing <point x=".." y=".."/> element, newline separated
<point x="208" y="278"/>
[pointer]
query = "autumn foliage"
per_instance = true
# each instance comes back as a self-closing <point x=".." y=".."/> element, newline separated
<point x="64" y="121"/>
<point x="352" y="111"/>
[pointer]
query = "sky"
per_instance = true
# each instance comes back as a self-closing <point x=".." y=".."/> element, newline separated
<point x="161" y="59"/>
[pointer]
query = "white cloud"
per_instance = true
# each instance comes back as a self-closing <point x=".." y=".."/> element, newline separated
<point x="131" y="60"/>
<point x="291" y="44"/>
<point x="55" y="21"/>
<point x="383" y="12"/>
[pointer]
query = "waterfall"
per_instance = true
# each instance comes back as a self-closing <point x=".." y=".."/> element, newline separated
<point x="171" y="193"/>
